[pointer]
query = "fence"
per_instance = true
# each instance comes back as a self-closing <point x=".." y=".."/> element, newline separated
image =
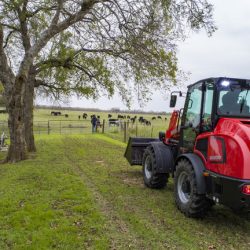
<point x="62" y="127"/>
<point x="55" y="127"/>
<point x="119" y="130"/>
<point x="4" y="127"/>
<point x="126" y="129"/>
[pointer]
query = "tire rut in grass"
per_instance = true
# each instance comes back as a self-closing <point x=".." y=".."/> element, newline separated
<point x="121" y="236"/>
<point x="145" y="228"/>
<point x="174" y="232"/>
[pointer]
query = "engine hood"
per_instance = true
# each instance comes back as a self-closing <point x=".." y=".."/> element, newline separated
<point x="236" y="134"/>
<point x="235" y="128"/>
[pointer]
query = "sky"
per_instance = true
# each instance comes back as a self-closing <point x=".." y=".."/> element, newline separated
<point x="226" y="53"/>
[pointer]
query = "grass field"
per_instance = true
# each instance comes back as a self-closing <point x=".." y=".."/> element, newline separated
<point x="79" y="192"/>
<point x="44" y="123"/>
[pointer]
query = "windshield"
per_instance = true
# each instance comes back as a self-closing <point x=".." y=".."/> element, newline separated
<point x="234" y="99"/>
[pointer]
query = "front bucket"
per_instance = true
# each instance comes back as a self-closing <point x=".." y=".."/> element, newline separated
<point x="135" y="149"/>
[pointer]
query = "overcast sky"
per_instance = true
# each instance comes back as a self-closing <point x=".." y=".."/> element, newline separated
<point x="226" y="53"/>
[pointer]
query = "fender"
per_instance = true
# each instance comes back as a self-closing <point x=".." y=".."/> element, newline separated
<point x="164" y="157"/>
<point x="199" y="168"/>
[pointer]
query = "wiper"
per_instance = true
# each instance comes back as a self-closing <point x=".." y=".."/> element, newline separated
<point x="243" y="102"/>
<point x="241" y="105"/>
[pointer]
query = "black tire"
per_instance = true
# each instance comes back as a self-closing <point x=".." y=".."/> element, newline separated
<point x="187" y="199"/>
<point x="151" y="178"/>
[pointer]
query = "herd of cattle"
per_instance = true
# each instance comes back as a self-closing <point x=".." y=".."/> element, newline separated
<point x="112" y="120"/>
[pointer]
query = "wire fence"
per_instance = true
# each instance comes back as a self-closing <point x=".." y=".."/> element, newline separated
<point x="62" y="127"/>
<point x="119" y="129"/>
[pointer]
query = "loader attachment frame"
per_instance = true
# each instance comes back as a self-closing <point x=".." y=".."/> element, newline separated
<point x="135" y="149"/>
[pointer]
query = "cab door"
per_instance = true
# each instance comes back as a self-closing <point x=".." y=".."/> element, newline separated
<point x="191" y="119"/>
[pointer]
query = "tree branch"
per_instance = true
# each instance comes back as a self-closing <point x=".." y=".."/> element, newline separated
<point x="6" y="75"/>
<point x="23" y="26"/>
<point x="8" y="38"/>
<point x="53" y="30"/>
<point x="56" y="28"/>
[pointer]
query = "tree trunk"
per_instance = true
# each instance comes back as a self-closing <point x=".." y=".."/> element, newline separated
<point x="28" y="115"/>
<point x="17" y="150"/>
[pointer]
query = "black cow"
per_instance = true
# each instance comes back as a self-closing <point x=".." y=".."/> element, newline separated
<point x="56" y="113"/>
<point x="84" y="115"/>
<point x="120" y="117"/>
<point x="153" y="118"/>
<point x="114" y="122"/>
<point x="133" y="119"/>
<point x="79" y="117"/>
<point x="141" y="119"/>
<point x="159" y="117"/>
<point x="66" y="115"/>
<point x="109" y="115"/>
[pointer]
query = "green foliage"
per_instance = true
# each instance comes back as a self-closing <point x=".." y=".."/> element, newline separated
<point x="129" y="47"/>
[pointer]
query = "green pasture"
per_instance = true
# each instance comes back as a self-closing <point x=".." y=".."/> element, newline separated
<point x="78" y="192"/>
<point x="45" y="123"/>
<point x="44" y="115"/>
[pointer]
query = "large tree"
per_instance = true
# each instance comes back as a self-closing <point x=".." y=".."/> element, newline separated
<point x="88" y="47"/>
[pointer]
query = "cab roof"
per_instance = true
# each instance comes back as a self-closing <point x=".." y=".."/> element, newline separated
<point x="217" y="80"/>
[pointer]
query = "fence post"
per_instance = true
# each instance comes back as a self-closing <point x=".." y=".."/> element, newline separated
<point x="136" y="130"/>
<point x="125" y="132"/>
<point x="48" y="128"/>
<point x="127" y="128"/>
<point x="152" y="131"/>
<point x="60" y="127"/>
<point x="103" y="126"/>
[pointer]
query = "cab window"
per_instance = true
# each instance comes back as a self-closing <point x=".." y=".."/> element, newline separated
<point x="207" y="110"/>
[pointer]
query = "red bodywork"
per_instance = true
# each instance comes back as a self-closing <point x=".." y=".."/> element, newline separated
<point x="172" y="131"/>
<point x="232" y="138"/>
<point x="228" y="146"/>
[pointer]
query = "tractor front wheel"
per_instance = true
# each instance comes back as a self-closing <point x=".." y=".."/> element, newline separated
<point x="151" y="178"/>
<point x="187" y="198"/>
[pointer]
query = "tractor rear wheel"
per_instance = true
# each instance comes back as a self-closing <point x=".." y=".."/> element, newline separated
<point x="187" y="198"/>
<point x="151" y="178"/>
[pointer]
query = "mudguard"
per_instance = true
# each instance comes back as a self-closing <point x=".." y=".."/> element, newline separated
<point x="164" y="157"/>
<point x="199" y="169"/>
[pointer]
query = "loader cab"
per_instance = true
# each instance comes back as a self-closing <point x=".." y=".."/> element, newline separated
<point x="198" y="114"/>
<point x="209" y="100"/>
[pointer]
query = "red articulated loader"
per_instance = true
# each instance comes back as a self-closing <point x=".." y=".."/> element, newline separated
<point x="206" y="148"/>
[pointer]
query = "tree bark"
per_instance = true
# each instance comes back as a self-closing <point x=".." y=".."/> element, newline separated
<point x="18" y="149"/>
<point x="28" y="115"/>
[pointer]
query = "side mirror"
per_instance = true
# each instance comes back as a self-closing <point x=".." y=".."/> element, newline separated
<point x="173" y="101"/>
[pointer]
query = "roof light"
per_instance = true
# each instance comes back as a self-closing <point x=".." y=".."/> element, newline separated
<point x="225" y="83"/>
<point x="246" y="189"/>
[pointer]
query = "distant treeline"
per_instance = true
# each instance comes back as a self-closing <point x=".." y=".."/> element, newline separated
<point x="113" y="110"/>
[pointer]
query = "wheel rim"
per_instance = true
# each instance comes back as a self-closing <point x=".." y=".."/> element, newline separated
<point x="183" y="187"/>
<point x="148" y="167"/>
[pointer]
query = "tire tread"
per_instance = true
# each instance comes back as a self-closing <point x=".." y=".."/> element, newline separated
<point x="199" y="204"/>
<point x="157" y="180"/>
